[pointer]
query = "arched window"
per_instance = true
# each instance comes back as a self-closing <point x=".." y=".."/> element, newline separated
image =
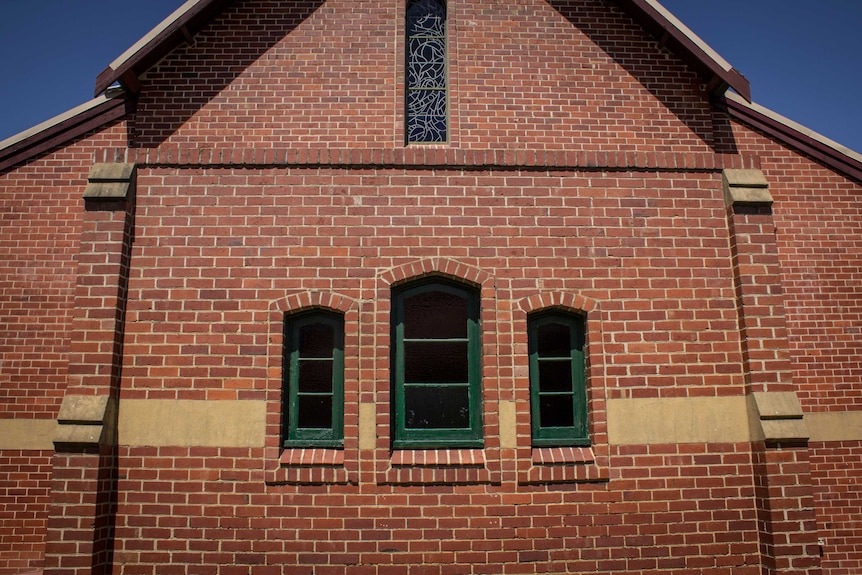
<point x="558" y="390"/>
<point x="436" y="365"/>
<point x="426" y="93"/>
<point x="313" y="410"/>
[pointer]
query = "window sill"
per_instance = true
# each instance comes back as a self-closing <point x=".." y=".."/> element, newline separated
<point x="563" y="465"/>
<point x="554" y="455"/>
<point x="311" y="466"/>
<point x="436" y="467"/>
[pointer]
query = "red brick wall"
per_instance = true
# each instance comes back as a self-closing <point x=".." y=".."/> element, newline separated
<point x="207" y="510"/>
<point x="215" y="247"/>
<point x="40" y="226"/>
<point x="25" y="489"/>
<point x="577" y="75"/>
<point x="627" y="222"/>
<point x="837" y="472"/>
<point x="39" y="231"/>
<point x="817" y="216"/>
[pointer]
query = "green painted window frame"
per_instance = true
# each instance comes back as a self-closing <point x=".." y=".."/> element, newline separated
<point x="293" y="434"/>
<point x="470" y="435"/>
<point x="551" y="435"/>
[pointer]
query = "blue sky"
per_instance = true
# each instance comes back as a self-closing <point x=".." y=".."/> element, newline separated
<point x="802" y="57"/>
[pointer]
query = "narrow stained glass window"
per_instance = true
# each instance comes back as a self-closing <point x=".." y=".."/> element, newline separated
<point x="426" y="71"/>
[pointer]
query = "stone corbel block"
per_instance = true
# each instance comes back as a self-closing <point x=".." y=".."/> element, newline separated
<point x="85" y="421"/>
<point x="111" y="183"/>
<point x="745" y="187"/>
<point x="777" y="418"/>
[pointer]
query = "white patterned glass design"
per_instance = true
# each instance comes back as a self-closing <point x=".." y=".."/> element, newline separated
<point x="426" y="71"/>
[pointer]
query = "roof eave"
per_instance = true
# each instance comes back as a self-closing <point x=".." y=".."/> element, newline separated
<point x="180" y="26"/>
<point x="670" y="31"/>
<point x="61" y="129"/>
<point x="832" y="154"/>
<point x="186" y="20"/>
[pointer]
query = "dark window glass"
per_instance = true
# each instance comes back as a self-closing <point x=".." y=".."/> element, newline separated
<point x="554" y="340"/>
<point x="556" y="411"/>
<point x="436" y="362"/>
<point x="316" y="340"/>
<point x="314" y="411"/>
<point x="315" y="376"/>
<point x="437" y="407"/>
<point x="435" y="315"/>
<point x="555" y="375"/>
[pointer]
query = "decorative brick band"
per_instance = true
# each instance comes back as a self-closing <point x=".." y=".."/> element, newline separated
<point x="427" y="156"/>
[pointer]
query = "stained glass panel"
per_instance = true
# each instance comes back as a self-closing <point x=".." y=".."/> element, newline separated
<point x="426" y="71"/>
<point x="427" y="65"/>
<point x="426" y="18"/>
<point x="426" y="116"/>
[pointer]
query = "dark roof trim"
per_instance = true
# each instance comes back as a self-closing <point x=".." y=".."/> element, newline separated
<point x="179" y="27"/>
<point x="188" y="19"/>
<point x="61" y="129"/>
<point x="718" y="73"/>
<point x="796" y="136"/>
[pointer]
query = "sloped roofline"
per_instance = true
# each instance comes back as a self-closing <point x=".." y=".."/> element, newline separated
<point x="671" y="32"/>
<point x="831" y="153"/>
<point x="61" y="129"/>
<point x="186" y="20"/>
<point x="181" y="26"/>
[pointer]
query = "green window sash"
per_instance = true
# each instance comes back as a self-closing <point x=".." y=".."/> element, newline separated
<point x="314" y="379"/>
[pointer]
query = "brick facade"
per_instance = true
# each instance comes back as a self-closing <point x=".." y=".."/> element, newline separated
<point x="261" y="171"/>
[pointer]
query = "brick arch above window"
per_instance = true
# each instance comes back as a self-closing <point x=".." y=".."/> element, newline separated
<point x="444" y="267"/>
<point x="302" y="301"/>
<point x="573" y="302"/>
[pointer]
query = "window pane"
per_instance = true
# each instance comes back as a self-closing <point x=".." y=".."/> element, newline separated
<point x="426" y="116"/>
<point x="316" y="340"/>
<point x="435" y="362"/>
<point x="556" y="411"/>
<point x="426" y="67"/>
<point x="554" y="340"/>
<point x="433" y="407"/>
<point x="315" y="411"/>
<point x="555" y="375"/>
<point x="315" y="376"/>
<point x="426" y="18"/>
<point x="435" y="315"/>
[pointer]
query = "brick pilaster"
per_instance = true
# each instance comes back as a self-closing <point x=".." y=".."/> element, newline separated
<point x="782" y="473"/>
<point x="81" y="518"/>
